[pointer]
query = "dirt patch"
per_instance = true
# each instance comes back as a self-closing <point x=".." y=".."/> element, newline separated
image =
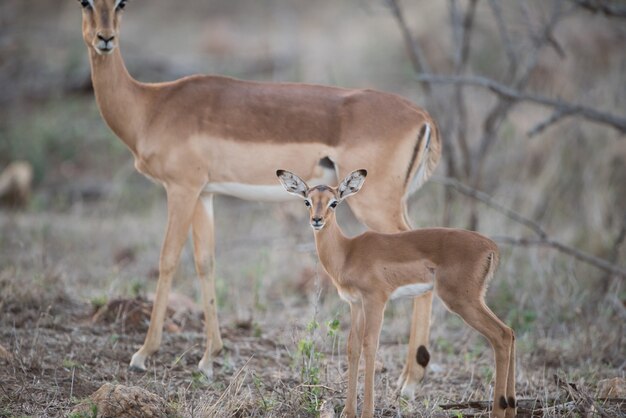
<point x="123" y="402"/>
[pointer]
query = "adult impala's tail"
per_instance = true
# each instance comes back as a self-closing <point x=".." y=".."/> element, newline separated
<point x="426" y="155"/>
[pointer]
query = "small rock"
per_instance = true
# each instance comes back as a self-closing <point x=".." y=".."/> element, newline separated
<point x="5" y="355"/>
<point x="124" y="402"/>
<point x="612" y="388"/>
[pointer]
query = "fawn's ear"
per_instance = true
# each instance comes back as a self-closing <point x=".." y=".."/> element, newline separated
<point x="292" y="183"/>
<point x="352" y="183"/>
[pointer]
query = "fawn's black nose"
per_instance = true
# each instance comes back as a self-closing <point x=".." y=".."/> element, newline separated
<point x="317" y="220"/>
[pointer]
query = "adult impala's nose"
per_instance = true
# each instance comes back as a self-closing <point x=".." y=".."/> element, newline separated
<point x="105" y="38"/>
<point x="105" y="44"/>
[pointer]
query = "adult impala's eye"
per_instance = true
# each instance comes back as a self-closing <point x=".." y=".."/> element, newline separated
<point x="85" y="4"/>
<point x="307" y="203"/>
<point x="334" y="204"/>
<point x="121" y="5"/>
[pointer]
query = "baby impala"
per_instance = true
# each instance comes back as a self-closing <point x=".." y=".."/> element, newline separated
<point x="372" y="268"/>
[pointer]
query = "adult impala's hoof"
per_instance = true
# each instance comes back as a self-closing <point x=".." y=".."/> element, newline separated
<point x="206" y="368"/>
<point x="136" y="369"/>
<point x="137" y="363"/>
<point x="407" y="390"/>
<point x="348" y="413"/>
<point x="408" y="381"/>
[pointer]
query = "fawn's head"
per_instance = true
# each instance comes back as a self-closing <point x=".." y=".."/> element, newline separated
<point x="101" y="24"/>
<point x="322" y="200"/>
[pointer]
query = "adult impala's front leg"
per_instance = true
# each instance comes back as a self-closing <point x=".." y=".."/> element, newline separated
<point x="181" y="203"/>
<point x="204" y="255"/>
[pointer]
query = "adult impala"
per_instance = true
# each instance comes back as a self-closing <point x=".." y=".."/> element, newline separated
<point x="205" y="135"/>
<point x="372" y="268"/>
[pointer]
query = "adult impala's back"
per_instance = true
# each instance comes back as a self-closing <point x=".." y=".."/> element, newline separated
<point x="206" y="135"/>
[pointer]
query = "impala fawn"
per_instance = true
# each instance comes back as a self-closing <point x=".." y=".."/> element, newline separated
<point x="372" y="268"/>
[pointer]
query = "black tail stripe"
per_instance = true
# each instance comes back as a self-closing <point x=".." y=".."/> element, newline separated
<point x="416" y="149"/>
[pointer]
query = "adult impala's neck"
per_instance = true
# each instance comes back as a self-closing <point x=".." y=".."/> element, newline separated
<point x="120" y="98"/>
<point x="332" y="246"/>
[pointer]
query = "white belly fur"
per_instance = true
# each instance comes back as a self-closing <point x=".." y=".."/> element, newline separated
<point x="411" y="290"/>
<point x="265" y="193"/>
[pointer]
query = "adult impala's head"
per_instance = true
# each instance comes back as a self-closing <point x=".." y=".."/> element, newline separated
<point x="322" y="200"/>
<point x="101" y="24"/>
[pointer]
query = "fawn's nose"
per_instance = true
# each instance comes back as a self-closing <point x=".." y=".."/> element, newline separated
<point x="317" y="220"/>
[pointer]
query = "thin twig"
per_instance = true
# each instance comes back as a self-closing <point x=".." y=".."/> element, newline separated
<point x="463" y="30"/>
<point x="418" y="61"/>
<point x="606" y="7"/>
<point x="489" y="201"/>
<point x="598" y="262"/>
<point x="554" y="118"/>
<point x="496" y="9"/>
<point x="513" y="94"/>
<point x="542" y="237"/>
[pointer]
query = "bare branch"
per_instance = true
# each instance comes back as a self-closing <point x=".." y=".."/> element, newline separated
<point x="418" y="61"/>
<point x="488" y="200"/>
<point x="504" y="34"/>
<point x="606" y="7"/>
<point x="513" y="94"/>
<point x="554" y="118"/>
<point x="598" y="262"/>
<point x="543" y="239"/>
<point x="463" y="32"/>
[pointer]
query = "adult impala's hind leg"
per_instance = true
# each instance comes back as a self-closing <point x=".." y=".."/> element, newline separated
<point x="181" y="203"/>
<point x="204" y="255"/>
<point x="388" y="214"/>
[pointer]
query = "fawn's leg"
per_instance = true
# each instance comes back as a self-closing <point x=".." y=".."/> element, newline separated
<point x="355" y="342"/>
<point x="510" y="384"/>
<point x="373" y="311"/>
<point x="477" y="315"/>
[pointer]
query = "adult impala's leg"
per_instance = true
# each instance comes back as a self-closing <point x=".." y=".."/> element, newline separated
<point x="355" y="342"/>
<point x="417" y="355"/>
<point x="204" y="255"/>
<point x="181" y="203"/>
<point x="373" y="311"/>
<point x="388" y="214"/>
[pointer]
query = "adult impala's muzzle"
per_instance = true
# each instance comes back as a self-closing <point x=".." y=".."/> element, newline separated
<point x="105" y="44"/>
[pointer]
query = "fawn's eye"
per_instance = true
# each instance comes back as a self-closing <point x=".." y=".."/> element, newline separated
<point x="121" y="5"/>
<point x="307" y="203"/>
<point x="86" y="4"/>
<point x="334" y="204"/>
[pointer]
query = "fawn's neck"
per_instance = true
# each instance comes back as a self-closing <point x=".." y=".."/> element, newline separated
<point x="332" y="246"/>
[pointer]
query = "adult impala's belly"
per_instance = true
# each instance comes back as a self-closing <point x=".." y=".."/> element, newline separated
<point x="266" y="192"/>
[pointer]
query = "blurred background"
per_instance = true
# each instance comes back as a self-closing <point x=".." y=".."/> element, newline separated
<point x="531" y="99"/>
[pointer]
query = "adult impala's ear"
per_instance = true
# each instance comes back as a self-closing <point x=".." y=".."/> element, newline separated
<point x="352" y="183"/>
<point x="292" y="183"/>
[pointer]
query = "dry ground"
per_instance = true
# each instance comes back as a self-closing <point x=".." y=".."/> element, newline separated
<point x="59" y="268"/>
